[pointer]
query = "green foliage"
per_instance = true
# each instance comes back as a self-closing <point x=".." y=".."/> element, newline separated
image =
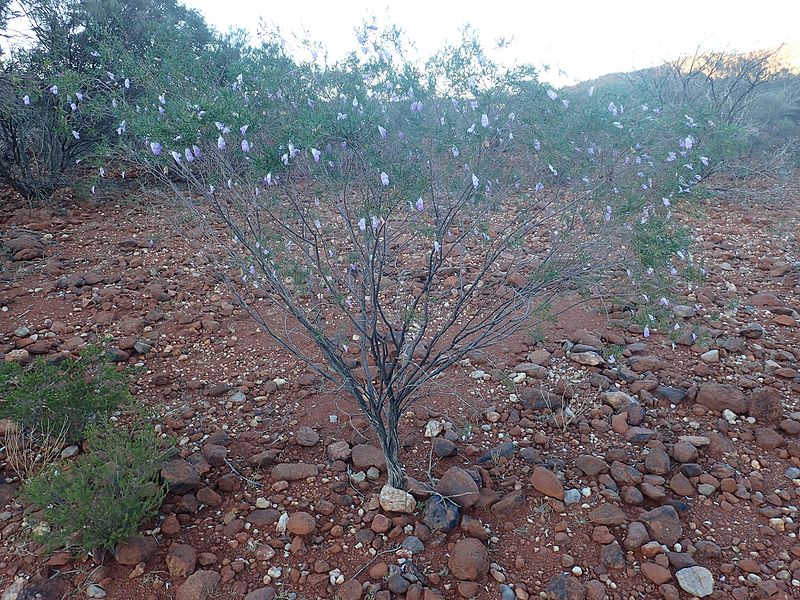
<point x="101" y="498"/>
<point x="66" y="396"/>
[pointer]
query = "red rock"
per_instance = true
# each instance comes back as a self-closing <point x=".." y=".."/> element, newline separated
<point x="721" y="396"/>
<point x="459" y="486"/>
<point x="546" y="482"/>
<point x="301" y="523"/>
<point x="469" y="559"/>
<point x="181" y="560"/>
<point x="656" y="573"/>
<point x="136" y="550"/>
<point x="198" y="586"/>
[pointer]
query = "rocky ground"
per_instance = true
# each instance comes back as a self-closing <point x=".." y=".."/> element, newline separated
<point x="675" y="472"/>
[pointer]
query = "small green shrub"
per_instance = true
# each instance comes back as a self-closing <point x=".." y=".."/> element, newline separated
<point x="101" y="498"/>
<point x="66" y="396"/>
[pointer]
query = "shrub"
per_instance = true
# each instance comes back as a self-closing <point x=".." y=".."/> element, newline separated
<point x="414" y="218"/>
<point x="63" y="397"/>
<point x="101" y="498"/>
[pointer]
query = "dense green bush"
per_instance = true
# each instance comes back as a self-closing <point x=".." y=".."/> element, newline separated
<point x="102" y="497"/>
<point x="63" y="398"/>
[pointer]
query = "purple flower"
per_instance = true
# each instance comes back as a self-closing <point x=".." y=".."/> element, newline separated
<point x="646" y="331"/>
<point x="552" y="94"/>
<point x="188" y="154"/>
<point x="376" y="222"/>
<point x="384" y="178"/>
<point x="161" y="111"/>
<point x="243" y="129"/>
<point x="362" y="224"/>
<point x="79" y="96"/>
<point x="537" y="145"/>
<point x="475" y="181"/>
<point x="382" y="131"/>
<point x="420" y="204"/>
<point x="316" y="154"/>
<point x="76" y="135"/>
<point x="73" y="106"/>
<point x="162" y="99"/>
<point x="245" y="146"/>
<point x="127" y="83"/>
<point x="155" y="148"/>
<point x="293" y="151"/>
<point x="665" y="201"/>
<point x="102" y="172"/>
<point x="196" y="151"/>
<point x="176" y="156"/>
<point x="221" y="143"/>
<point x="539" y="186"/>
<point x="484" y="120"/>
<point x="591" y="91"/>
<point x="455" y="152"/>
<point x="26" y="100"/>
<point x="54" y="90"/>
<point x="608" y="214"/>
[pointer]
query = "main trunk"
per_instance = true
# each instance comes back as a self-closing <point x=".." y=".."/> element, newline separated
<point x="391" y="452"/>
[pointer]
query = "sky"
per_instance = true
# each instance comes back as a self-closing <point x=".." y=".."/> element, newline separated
<point x="578" y="39"/>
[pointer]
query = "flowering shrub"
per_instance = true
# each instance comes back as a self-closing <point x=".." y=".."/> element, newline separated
<point x="401" y="219"/>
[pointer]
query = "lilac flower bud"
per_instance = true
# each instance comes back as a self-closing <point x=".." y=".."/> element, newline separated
<point x="221" y="143"/>
<point x="155" y="148"/>
<point x="196" y="151"/>
<point x="539" y="187"/>
<point x="188" y="154"/>
<point x="245" y="146"/>
<point x="316" y="154"/>
<point x="420" y="204"/>
<point x="176" y="156"/>
<point x="362" y="224"/>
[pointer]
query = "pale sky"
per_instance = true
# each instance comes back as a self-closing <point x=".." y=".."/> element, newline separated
<point x="581" y="38"/>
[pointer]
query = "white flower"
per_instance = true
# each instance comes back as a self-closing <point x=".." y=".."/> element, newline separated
<point x="76" y="135"/>
<point x="591" y="91"/>
<point x="382" y="131"/>
<point x="484" y="120"/>
<point x="362" y="224"/>
<point x="316" y="154"/>
<point x="475" y="181"/>
<point x="552" y="94"/>
<point x="26" y="100"/>
<point x="384" y="178"/>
